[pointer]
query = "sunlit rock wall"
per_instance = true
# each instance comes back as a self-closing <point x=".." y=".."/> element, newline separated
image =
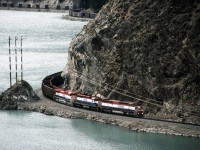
<point x="140" y="47"/>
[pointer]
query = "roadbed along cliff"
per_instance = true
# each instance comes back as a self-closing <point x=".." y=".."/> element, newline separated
<point x="49" y="107"/>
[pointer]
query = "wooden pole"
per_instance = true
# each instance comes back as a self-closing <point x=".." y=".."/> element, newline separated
<point x="16" y="57"/>
<point x="10" y="63"/>
<point x="21" y="61"/>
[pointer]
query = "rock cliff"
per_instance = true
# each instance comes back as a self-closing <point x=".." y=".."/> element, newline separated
<point x="147" y="49"/>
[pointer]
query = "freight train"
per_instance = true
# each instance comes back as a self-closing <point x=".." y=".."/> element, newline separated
<point x="50" y="88"/>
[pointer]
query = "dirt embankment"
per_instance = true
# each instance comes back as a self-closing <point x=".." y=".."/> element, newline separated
<point x="48" y="107"/>
<point x="22" y="97"/>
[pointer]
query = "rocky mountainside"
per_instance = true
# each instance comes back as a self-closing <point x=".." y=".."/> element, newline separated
<point x="92" y="5"/>
<point x="147" y="49"/>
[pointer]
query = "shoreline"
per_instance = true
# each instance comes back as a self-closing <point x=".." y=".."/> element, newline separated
<point x="49" y="107"/>
<point x="65" y="13"/>
<point x="67" y="17"/>
<point x="33" y="9"/>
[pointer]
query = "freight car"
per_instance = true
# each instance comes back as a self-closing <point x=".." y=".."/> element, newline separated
<point x="50" y="88"/>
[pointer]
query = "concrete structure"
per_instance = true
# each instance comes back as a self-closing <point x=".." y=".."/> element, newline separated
<point x="66" y="7"/>
<point x="75" y="13"/>
<point x="75" y="5"/>
<point x="20" y="5"/>
<point x="46" y="7"/>
<point x="4" y="4"/>
<point x="11" y="5"/>
<point x="37" y="6"/>
<point x="58" y="7"/>
<point x="93" y="15"/>
<point x="29" y="6"/>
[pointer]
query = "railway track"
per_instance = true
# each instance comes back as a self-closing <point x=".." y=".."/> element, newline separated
<point x="51" y="82"/>
<point x="51" y="88"/>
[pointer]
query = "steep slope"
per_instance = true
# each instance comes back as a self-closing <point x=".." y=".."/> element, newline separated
<point x="149" y="48"/>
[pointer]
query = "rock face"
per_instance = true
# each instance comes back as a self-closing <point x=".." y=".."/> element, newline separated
<point x="93" y="5"/>
<point x="148" y="48"/>
<point x="19" y="92"/>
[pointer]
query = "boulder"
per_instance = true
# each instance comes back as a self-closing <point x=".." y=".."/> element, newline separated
<point x="18" y="93"/>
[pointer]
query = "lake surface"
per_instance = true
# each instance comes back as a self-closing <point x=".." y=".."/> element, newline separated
<point x="46" y="41"/>
<point x="35" y="131"/>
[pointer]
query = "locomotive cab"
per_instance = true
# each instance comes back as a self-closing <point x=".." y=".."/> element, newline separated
<point x="139" y="112"/>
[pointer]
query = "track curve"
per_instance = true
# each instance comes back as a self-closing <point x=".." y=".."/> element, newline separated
<point x="55" y="81"/>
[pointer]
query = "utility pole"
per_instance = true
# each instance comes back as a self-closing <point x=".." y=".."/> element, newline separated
<point x="10" y="63"/>
<point x="16" y="57"/>
<point x="21" y="61"/>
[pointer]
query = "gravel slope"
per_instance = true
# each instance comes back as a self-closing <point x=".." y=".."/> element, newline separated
<point x="46" y="106"/>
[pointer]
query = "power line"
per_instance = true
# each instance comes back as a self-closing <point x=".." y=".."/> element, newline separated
<point x="16" y="56"/>
<point x="123" y="90"/>
<point x="98" y="84"/>
<point x="10" y="63"/>
<point x="16" y="61"/>
<point x="21" y="61"/>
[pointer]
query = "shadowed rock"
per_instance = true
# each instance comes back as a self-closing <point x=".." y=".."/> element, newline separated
<point x="148" y="48"/>
<point x="18" y="93"/>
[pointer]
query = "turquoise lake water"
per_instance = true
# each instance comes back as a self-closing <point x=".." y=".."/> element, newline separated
<point x="46" y="38"/>
<point x="46" y="41"/>
<point x="35" y="131"/>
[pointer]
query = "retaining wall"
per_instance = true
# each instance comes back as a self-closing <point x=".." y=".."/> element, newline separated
<point x="5" y="4"/>
<point x="81" y="14"/>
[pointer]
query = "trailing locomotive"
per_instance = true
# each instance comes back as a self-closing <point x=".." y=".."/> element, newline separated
<point x="50" y="89"/>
